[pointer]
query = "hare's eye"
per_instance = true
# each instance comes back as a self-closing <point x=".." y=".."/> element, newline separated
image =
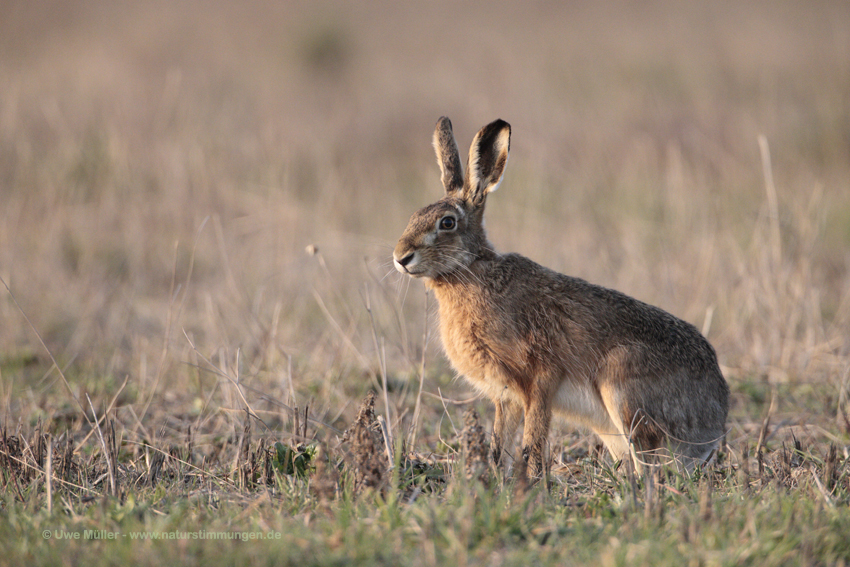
<point x="448" y="223"/>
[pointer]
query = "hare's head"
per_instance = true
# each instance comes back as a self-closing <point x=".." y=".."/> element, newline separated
<point x="449" y="234"/>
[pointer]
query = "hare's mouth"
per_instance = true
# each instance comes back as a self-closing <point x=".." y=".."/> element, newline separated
<point x="407" y="271"/>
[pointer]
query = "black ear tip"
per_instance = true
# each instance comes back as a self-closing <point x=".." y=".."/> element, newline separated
<point x="499" y="124"/>
<point x="493" y="131"/>
<point x="443" y="122"/>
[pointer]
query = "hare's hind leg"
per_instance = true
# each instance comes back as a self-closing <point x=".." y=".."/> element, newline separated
<point x="615" y="434"/>
<point x="611" y="374"/>
<point x="632" y="433"/>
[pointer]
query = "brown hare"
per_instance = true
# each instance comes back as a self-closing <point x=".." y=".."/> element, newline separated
<point x="537" y="342"/>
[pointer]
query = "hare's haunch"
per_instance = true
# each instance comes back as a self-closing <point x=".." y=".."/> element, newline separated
<point x="537" y="342"/>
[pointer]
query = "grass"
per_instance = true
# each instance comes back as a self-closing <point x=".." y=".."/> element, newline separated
<point x="791" y="513"/>
<point x="197" y="208"/>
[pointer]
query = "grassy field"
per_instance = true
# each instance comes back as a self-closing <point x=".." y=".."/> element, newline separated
<point x="198" y="204"/>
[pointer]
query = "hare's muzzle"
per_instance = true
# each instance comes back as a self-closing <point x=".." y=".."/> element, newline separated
<point x="403" y="263"/>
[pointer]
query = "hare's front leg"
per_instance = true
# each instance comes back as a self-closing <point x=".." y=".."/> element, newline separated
<point x="508" y="413"/>
<point x="538" y="416"/>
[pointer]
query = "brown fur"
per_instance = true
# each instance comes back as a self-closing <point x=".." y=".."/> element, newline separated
<point x="537" y="342"/>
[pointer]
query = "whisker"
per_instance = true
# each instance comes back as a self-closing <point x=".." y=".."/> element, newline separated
<point x="406" y="290"/>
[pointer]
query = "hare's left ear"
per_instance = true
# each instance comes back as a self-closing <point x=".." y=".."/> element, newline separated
<point x="488" y="156"/>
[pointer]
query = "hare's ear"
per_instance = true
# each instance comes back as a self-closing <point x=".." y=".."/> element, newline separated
<point x="448" y="156"/>
<point x="488" y="156"/>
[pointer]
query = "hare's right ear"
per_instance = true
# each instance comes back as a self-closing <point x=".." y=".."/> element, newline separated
<point x="448" y="156"/>
<point x="488" y="156"/>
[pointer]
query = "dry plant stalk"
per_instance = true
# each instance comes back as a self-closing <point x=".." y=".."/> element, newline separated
<point x="744" y="471"/>
<point x="475" y="447"/>
<point x="156" y="465"/>
<point x="68" y="464"/>
<point x="649" y="504"/>
<point x="112" y="447"/>
<point x="243" y="464"/>
<point x="830" y="467"/>
<point x="39" y="444"/>
<point x="48" y="476"/>
<point x="705" y="509"/>
<point x="365" y="438"/>
<point x="10" y="451"/>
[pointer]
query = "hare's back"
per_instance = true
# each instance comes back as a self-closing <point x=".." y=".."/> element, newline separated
<point x="583" y="324"/>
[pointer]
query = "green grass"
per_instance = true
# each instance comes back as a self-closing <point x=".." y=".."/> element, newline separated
<point x="714" y="519"/>
<point x="197" y="210"/>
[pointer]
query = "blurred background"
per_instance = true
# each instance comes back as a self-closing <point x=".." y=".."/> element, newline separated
<point x="197" y="192"/>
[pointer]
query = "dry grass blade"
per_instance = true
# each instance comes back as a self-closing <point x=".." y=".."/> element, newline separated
<point x="382" y="363"/>
<point x="765" y="427"/>
<point x="842" y="414"/>
<point x="224" y="374"/>
<point x="346" y="337"/>
<point x="108" y="408"/>
<point x="827" y="498"/>
<point x="772" y="203"/>
<point x="386" y="436"/>
<point x="113" y="488"/>
<point x="48" y="476"/>
<point x="243" y="466"/>
<point x="417" y="407"/>
<point x="47" y="350"/>
<point x="166" y="342"/>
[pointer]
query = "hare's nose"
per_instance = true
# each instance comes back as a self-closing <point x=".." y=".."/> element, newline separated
<point x="406" y="260"/>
